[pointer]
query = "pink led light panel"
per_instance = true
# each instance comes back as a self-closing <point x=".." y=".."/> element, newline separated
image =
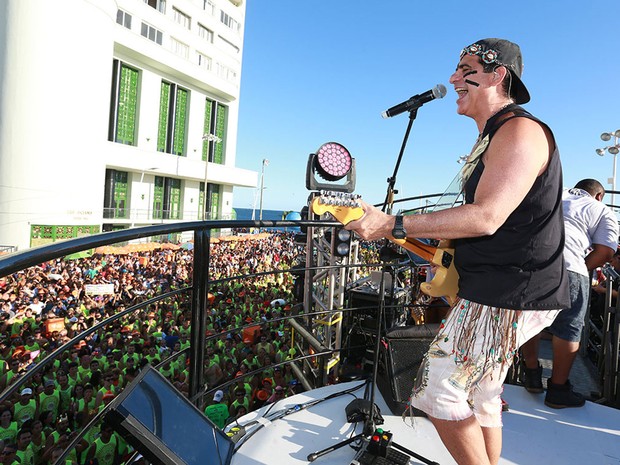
<point x="334" y="159"/>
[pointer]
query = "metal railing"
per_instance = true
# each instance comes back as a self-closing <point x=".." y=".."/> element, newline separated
<point x="197" y="293"/>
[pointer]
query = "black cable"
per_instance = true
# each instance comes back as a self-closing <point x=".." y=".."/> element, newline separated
<point x="296" y="408"/>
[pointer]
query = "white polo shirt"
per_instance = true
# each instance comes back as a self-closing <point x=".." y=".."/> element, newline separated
<point x="586" y="221"/>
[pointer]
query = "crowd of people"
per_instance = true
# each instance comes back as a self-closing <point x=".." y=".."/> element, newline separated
<point x="45" y="306"/>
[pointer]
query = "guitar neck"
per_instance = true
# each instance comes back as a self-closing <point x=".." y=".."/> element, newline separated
<point x="416" y="246"/>
<point x="346" y="211"/>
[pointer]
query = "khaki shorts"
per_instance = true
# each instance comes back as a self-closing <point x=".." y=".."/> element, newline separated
<point x="463" y="371"/>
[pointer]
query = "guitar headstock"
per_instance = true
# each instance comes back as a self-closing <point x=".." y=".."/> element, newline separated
<point x="343" y="206"/>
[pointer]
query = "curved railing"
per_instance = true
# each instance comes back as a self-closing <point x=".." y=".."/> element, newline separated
<point x="197" y="294"/>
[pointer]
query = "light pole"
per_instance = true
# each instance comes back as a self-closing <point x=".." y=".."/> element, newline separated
<point x="262" y="186"/>
<point x="148" y="200"/>
<point x="208" y="138"/>
<point x="613" y="150"/>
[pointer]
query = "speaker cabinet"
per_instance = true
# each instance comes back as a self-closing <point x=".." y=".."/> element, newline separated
<point x="366" y="301"/>
<point x="402" y="352"/>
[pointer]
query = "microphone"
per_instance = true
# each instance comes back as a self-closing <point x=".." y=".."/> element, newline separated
<point x="415" y="102"/>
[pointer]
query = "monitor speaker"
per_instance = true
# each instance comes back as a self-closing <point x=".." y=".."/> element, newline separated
<point x="401" y="355"/>
<point x="366" y="300"/>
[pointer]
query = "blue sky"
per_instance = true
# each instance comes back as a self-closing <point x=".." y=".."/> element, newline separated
<point x="324" y="70"/>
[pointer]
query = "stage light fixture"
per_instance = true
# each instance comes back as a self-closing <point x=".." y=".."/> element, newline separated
<point x="332" y="162"/>
<point x="342" y="245"/>
<point x="340" y="240"/>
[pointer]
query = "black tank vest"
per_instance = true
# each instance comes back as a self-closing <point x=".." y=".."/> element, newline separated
<point x="521" y="266"/>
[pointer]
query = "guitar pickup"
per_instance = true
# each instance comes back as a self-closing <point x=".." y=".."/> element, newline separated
<point x="446" y="259"/>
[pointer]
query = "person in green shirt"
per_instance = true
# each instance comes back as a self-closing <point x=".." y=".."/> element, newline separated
<point x="38" y="439"/>
<point x="87" y="403"/>
<point x="64" y="389"/>
<point x="49" y="399"/>
<point x="218" y="411"/>
<point x="9" y="376"/>
<point x="25" y="453"/>
<point x="105" y="447"/>
<point x="8" y="427"/>
<point x="240" y="399"/>
<point x="131" y="354"/>
<point x="9" y="455"/>
<point x="26" y="408"/>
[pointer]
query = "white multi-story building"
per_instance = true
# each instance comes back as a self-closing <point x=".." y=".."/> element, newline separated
<point x="117" y="113"/>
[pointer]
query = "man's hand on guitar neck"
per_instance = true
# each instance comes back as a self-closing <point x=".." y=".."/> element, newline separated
<point x="373" y="225"/>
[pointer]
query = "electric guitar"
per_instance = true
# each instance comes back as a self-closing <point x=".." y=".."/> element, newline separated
<point x="346" y="208"/>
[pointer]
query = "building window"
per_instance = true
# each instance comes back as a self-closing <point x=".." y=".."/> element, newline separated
<point x="167" y="198"/>
<point x="229" y="21"/>
<point x="123" y="18"/>
<point x="215" y="123"/>
<point x="228" y="46"/>
<point x="179" y="48"/>
<point x="205" y="33"/>
<point x="182" y="18"/>
<point x="209" y="7"/>
<point x="152" y="33"/>
<point x="226" y="73"/>
<point x="213" y="201"/>
<point x="172" y="119"/>
<point x="115" y="194"/>
<point x="124" y="104"/>
<point x="203" y="60"/>
<point x="159" y="5"/>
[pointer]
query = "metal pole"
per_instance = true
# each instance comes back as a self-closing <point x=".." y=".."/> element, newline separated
<point x="216" y="140"/>
<point x="262" y="186"/>
<point x="613" y="178"/>
<point x="204" y="203"/>
<point x="199" y="309"/>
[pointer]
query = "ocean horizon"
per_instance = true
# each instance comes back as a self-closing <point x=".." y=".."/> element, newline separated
<point x="270" y="215"/>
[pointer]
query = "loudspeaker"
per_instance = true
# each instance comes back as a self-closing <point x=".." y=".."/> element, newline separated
<point x="402" y="352"/>
<point x="366" y="300"/>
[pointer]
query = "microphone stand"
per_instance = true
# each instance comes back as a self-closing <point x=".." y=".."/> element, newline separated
<point x="389" y="198"/>
<point x="369" y="405"/>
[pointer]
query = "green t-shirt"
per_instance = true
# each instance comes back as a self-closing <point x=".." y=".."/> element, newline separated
<point x="9" y="434"/>
<point x="217" y="413"/>
<point x="23" y="413"/>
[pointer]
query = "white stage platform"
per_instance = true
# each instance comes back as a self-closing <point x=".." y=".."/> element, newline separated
<point x="533" y="433"/>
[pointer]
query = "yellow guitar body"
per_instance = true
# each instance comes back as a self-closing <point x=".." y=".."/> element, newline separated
<point x="445" y="283"/>
<point x="346" y="208"/>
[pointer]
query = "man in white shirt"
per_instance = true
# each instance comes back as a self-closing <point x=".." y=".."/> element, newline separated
<point x="591" y="240"/>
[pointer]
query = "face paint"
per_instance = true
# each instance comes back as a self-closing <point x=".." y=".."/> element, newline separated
<point x="469" y="73"/>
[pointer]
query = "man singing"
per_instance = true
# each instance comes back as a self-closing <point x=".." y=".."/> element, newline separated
<point x="509" y="237"/>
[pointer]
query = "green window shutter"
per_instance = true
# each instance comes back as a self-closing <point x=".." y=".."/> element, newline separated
<point x="214" y="201"/>
<point x="164" y="111"/>
<point x="207" y="128"/>
<point x="220" y="131"/>
<point x="158" y="198"/>
<point x="175" y="199"/>
<point x="180" y="121"/>
<point x="127" y="106"/>
<point x="120" y="194"/>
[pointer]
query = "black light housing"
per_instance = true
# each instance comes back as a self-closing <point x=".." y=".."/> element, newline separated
<point x="342" y="242"/>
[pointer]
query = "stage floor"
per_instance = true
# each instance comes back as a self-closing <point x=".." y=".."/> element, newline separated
<point x="533" y="433"/>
